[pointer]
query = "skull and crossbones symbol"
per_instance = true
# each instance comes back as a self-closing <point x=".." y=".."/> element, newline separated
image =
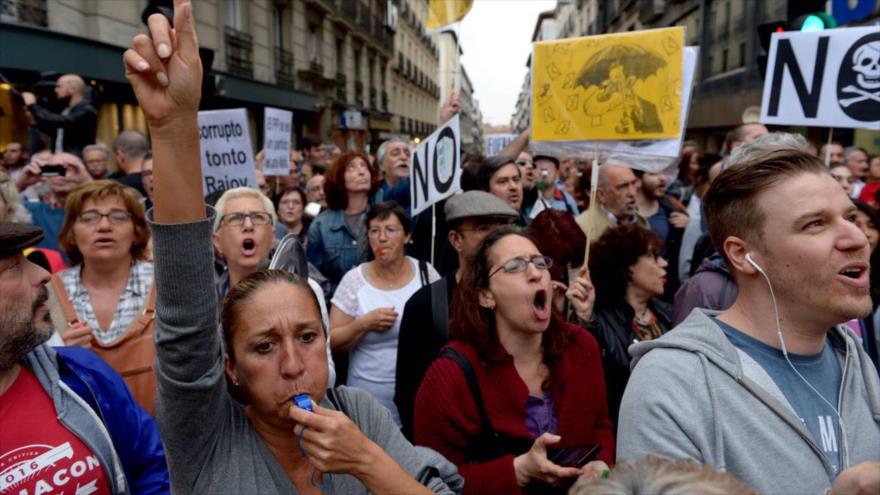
<point x="866" y="65"/>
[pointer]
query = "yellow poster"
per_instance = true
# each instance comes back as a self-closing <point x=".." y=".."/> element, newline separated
<point x="610" y="87"/>
<point x="443" y="12"/>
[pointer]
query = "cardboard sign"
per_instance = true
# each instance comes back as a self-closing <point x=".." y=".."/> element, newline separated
<point x="276" y="141"/>
<point x="227" y="155"/>
<point x="824" y="78"/>
<point x="494" y="143"/>
<point x="648" y="155"/>
<point x="622" y="86"/>
<point x="435" y="167"/>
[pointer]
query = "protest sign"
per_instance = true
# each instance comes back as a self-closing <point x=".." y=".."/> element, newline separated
<point x="276" y="141"/>
<point x="824" y="78"/>
<point x="494" y="143"/>
<point x="611" y="87"/>
<point x="650" y="155"/>
<point x="435" y="166"/>
<point x="227" y="156"/>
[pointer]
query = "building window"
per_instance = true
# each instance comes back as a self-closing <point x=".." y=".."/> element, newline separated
<point x="25" y="11"/>
<point x="235" y="14"/>
<point x="340" y="53"/>
<point x="278" y="26"/>
<point x="742" y="54"/>
<point x="312" y="42"/>
<point x="724" y="65"/>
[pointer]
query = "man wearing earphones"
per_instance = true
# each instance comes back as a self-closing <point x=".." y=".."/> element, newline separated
<point x="775" y="390"/>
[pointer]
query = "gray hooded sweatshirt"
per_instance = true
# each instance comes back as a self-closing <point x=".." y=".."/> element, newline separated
<point x="692" y="394"/>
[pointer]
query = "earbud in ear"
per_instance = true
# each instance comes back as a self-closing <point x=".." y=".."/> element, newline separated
<point x="752" y="262"/>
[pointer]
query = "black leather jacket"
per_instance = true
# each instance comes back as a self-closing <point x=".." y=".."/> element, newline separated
<point x="612" y="329"/>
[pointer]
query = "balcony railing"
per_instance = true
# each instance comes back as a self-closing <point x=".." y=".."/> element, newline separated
<point x="239" y="52"/>
<point x="284" y="68"/>
<point x="25" y="11"/>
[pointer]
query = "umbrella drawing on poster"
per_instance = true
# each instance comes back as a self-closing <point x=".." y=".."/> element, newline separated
<point x="610" y="87"/>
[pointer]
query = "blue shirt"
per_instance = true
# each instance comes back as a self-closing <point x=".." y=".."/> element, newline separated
<point x="49" y="219"/>
<point x="660" y="224"/>
<point x="821" y="370"/>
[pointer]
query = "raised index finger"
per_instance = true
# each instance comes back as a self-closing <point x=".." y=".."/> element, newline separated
<point x="185" y="29"/>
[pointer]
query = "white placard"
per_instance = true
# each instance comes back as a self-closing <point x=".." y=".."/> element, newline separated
<point x="824" y="78"/>
<point x="276" y="141"/>
<point x="652" y="155"/>
<point x="227" y="155"/>
<point x="435" y="166"/>
<point x="494" y="143"/>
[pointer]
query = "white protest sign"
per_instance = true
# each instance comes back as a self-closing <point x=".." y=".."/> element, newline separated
<point x="227" y="155"/>
<point x="494" y="143"/>
<point x="276" y="141"/>
<point x="824" y="78"/>
<point x="435" y="166"/>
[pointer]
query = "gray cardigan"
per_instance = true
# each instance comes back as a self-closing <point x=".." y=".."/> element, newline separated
<point x="210" y="445"/>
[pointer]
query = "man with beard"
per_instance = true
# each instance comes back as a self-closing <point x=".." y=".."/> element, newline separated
<point x="666" y="216"/>
<point x="393" y="158"/>
<point x="67" y="420"/>
<point x="776" y="390"/>
<point x="75" y="127"/>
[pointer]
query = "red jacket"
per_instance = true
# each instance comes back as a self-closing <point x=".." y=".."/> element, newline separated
<point x="446" y="418"/>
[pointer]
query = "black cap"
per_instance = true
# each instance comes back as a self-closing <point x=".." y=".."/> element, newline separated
<point x="545" y="157"/>
<point x="14" y="238"/>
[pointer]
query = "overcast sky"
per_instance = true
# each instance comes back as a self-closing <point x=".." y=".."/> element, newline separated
<point x="496" y="39"/>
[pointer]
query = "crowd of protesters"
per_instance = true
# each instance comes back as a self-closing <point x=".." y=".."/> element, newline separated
<point x="722" y="336"/>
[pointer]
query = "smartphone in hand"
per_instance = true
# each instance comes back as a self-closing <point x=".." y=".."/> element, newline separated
<point x="573" y="456"/>
<point x="51" y="170"/>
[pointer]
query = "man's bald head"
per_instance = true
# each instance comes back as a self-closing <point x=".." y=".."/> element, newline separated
<point x="616" y="188"/>
<point x="70" y="86"/>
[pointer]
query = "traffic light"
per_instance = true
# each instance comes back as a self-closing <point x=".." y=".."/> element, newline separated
<point x="814" y="21"/>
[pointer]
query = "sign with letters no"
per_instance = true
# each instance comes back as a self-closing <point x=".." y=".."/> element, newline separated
<point x="824" y="78"/>
<point x="435" y="166"/>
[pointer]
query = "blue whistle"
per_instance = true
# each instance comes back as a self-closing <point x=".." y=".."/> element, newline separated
<point x="302" y="401"/>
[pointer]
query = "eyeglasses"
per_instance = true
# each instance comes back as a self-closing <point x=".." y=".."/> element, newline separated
<point x="652" y="254"/>
<point x="517" y="265"/>
<point x="93" y="217"/>
<point x="389" y="231"/>
<point x="237" y="219"/>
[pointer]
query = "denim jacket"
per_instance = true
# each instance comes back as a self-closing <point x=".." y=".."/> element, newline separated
<point x="333" y="248"/>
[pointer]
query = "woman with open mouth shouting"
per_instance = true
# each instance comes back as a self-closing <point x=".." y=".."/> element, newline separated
<point x="273" y="350"/>
<point x="516" y="382"/>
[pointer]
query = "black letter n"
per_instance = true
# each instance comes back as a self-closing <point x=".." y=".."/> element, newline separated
<point x="809" y="98"/>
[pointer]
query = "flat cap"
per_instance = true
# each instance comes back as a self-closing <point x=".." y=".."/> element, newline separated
<point x="546" y="157"/>
<point x="477" y="204"/>
<point x="15" y="237"/>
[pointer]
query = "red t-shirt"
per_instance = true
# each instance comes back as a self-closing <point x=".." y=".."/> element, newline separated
<point x="37" y="453"/>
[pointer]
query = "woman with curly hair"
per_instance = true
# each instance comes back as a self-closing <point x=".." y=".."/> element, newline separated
<point x="629" y="276"/>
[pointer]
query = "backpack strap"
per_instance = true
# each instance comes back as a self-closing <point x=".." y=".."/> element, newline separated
<point x="440" y="307"/>
<point x="423" y="272"/>
<point x="487" y="435"/>
<point x="64" y="300"/>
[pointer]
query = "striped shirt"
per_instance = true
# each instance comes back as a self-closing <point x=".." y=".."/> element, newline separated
<point x="131" y="301"/>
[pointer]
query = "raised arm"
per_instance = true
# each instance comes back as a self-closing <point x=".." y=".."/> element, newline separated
<point x="168" y="89"/>
<point x="192" y="400"/>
